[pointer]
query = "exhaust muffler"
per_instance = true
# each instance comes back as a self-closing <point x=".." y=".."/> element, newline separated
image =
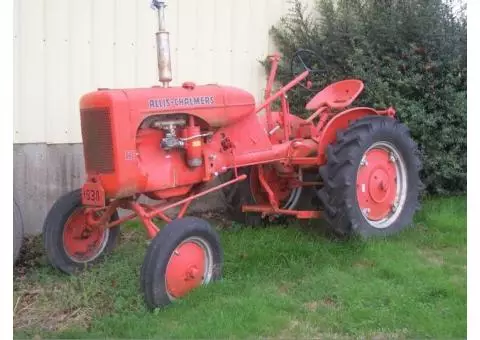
<point x="163" y="45"/>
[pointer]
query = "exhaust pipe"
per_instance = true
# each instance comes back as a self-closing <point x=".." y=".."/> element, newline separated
<point x="163" y="45"/>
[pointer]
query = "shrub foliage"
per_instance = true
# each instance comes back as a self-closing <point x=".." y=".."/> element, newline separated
<point x="411" y="54"/>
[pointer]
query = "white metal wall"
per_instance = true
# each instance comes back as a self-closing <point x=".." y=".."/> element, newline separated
<point x="64" y="48"/>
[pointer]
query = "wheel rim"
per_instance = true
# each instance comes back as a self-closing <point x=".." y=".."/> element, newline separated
<point x="280" y="186"/>
<point x="189" y="266"/>
<point x="381" y="184"/>
<point x="83" y="243"/>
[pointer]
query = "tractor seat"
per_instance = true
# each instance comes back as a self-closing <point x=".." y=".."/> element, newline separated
<point x="337" y="95"/>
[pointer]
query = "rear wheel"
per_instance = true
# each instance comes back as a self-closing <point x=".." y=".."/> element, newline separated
<point x="238" y="194"/>
<point x="371" y="179"/>
<point x="70" y="242"/>
<point x="184" y="255"/>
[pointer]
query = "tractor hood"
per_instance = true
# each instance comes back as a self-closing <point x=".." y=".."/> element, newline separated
<point x="217" y="105"/>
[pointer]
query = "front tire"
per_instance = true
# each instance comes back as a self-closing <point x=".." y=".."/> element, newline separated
<point x="71" y="245"/>
<point x="184" y="255"/>
<point x="371" y="179"/>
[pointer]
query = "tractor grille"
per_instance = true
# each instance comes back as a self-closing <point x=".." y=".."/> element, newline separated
<point x="97" y="140"/>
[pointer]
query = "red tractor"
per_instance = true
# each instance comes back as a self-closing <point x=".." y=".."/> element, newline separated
<point x="360" y="165"/>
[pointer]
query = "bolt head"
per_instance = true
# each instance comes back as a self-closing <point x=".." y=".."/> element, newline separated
<point x="366" y="211"/>
<point x="364" y="161"/>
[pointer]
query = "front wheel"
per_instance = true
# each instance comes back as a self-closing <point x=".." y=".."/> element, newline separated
<point x="371" y="179"/>
<point x="70" y="243"/>
<point x="184" y="255"/>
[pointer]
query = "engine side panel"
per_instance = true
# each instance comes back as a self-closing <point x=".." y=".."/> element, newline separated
<point x="163" y="169"/>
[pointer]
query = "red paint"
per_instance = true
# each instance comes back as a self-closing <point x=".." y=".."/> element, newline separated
<point x="183" y="209"/>
<point x="150" y="227"/>
<point x="185" y="269"/>
<point x="81" y="241"/>
<point x="192" y="197"/>
<point x="269" y="210"/>
<point x="338" y="95"/>
<point x="285" y="119"/>
<point x="340" y="121"/>
<point x="193" y="145"/>
<point x="270" y="181"/>
<point x="274" y="59"/>
<point x="282" y="91"/>
<point x="223" y="128"/>
<point x="92" y="215"/>
<point x="376" y="184"/>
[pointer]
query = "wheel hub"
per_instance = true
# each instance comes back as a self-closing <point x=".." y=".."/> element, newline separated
<point x="378" y="185"/>
<point x="82" y="242"/>
<point x="377" y="189"/>
<point x="186" y="268"/>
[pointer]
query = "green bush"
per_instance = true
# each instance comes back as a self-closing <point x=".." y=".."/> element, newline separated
<point x="411" y="54"/>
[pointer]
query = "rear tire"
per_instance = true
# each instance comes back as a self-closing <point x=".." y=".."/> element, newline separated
<point x="238" y="194"/>
<point x="185" y="254"/>
<point x="371" y="178"/>
<point x="64" y="234"/>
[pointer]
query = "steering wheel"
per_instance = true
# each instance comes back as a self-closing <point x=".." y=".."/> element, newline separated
<point x="307" y="60"/>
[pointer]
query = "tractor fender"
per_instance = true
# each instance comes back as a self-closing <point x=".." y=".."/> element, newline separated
<point x="328" y="135"/>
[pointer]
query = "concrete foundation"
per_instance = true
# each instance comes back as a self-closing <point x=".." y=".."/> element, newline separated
<point x="44" y="172"/>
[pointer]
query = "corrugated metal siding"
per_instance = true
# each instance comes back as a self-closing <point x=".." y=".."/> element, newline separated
<point x="64" y="48"/>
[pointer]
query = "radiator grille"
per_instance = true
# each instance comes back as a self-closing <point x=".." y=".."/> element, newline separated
<point x="97" y="140"/>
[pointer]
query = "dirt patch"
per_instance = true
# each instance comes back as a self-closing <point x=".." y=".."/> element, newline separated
<point x="56" y="305"/>
<point x="421" y="227"/>
<point x="401" y="334"/>
<point x="364" y="263"/>
<point x="32" y="310"/>
<point x="284" y="287"/>
<point x="31" y="255"/>
<point x="432" y="257"/>
<point x="327" y="302"/>
<point x="297" y="329"/>
<point x="312" y="306"/>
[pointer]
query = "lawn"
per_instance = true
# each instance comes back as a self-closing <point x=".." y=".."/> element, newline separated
<point x="279" y="282"/>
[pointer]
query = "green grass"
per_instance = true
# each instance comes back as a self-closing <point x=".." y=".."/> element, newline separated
<point x="279" y="282"/>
